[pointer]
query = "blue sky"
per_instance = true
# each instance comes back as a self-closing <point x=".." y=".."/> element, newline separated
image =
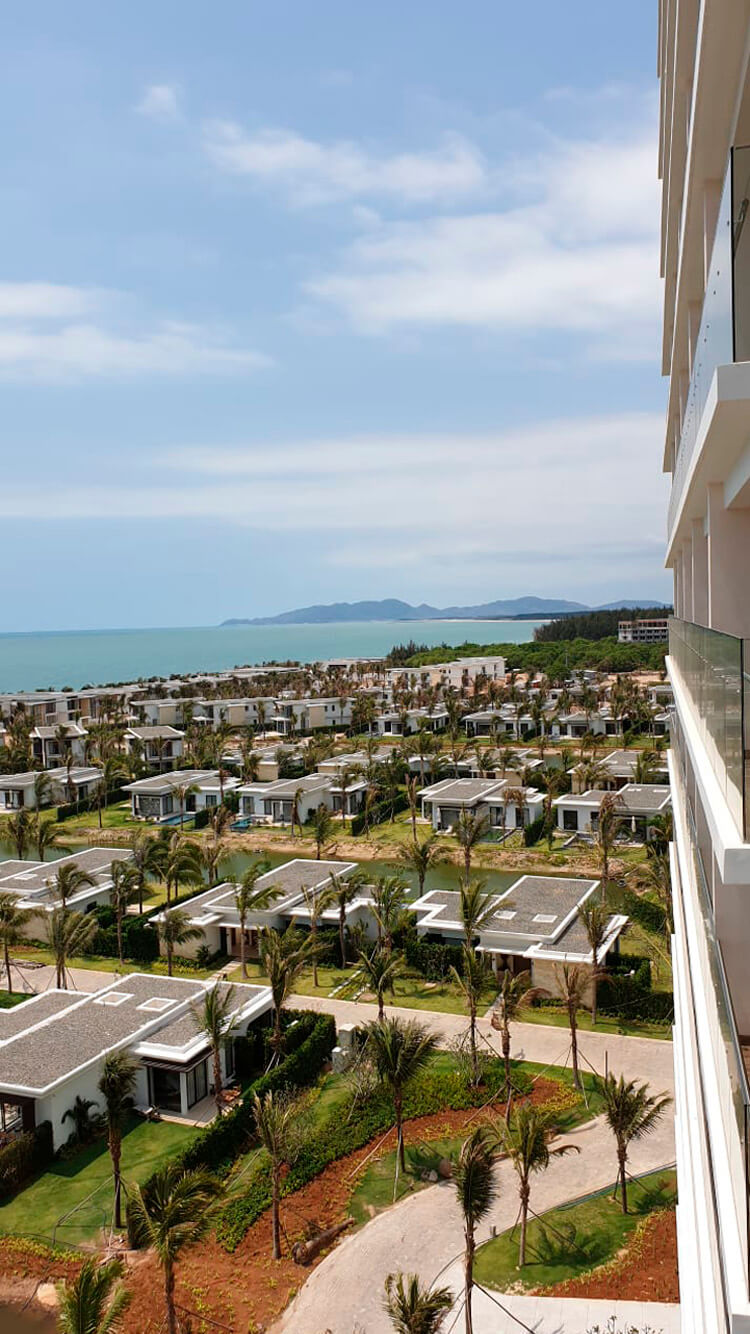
<point x="301" y="303"/>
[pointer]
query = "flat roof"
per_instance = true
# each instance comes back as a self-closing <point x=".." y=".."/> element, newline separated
<point x="633" y="799"/>
<point x="290" y="879"/>
<point x="155" y="732"/>
<point x="535" y="910"/>
<point x="31" y="879"/>
<point x="461" y="791"/>
<point x="24" y="780"/>
<point x="175" y="778"/>
<point x="286" y="787"/>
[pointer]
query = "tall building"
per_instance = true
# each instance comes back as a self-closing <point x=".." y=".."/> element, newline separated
<point x="704" y="50"/>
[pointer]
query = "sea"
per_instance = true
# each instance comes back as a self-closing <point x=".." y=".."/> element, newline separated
<point x="56" y="659"/>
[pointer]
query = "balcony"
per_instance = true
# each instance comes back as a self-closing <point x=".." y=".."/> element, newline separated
<point x="724" y="333"/>
<point x="715" y="673"/>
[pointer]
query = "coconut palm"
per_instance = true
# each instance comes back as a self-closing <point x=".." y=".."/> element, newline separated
<point x="69" y="879"/>
<point x="114" y="770"/>
<point x="19" y="829"/>
<point x="68" y="933"/>
<point x="173" y="1212"/>
<point x="181" y="862"/>
<point x="380" y="970"/>
<point x="573" y="981"/>
<point x="412" y="792"/>
<point x="147" y="858"/>
<point x="595" y="920"/>
<point x="46" y="835"/>
<point x="94" y="1302"/>
<point x="174" y="928"/>
<point x="475" y="908"/>
<point x="660" y="834"/>
<point x="388" y="907"/>
<point x="399" y="1051"/>
<point x="658" y="877"/>
<point x="123" y="892"/>
<point x="525" y="1140"/>
<point x="182" y="791"/>
<point x="316" y="903"/>
<point x="80" y="1115"/>
<point x="283" y="958"/>
<point x="215" y="1019"/>
<point x="413" y="1309"/>
<point x="13" y="921"/>
<point x="339" y="893"/>
<point x="470" y="830"/>
<point x="608" y="827"/>
<point x="513" y="994"/>
<point x="42" y="789"/>
<point x="275" y="1122"/>
<point x="421" y="857"/>
<point x="294" y="819"/>
<point x="322" y="823"/>
<point x="117" y="1087"/>
<point x="472" y="980"/>
<point x="248" y="898"/>
<point x="632" y="1113"/>
<point x="476" y="1188"/>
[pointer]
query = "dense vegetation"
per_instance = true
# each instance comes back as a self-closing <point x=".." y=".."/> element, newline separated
<point x="592" y="624"/>
<point x="556" y="660"/>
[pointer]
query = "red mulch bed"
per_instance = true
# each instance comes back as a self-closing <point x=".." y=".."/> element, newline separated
<point x="645" y="1272"/>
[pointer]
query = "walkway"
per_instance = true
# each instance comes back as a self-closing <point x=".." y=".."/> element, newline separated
<point x="424" y="1235"/>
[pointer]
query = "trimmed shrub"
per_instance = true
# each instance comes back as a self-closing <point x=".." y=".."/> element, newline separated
<point x="534" y="831"/>
<point x="432" y="959"/>
<point x="26" y="1154"/>
<point x="380" y="812"/>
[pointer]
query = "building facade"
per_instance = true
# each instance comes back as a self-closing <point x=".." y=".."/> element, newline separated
<point x="704" y="162"/>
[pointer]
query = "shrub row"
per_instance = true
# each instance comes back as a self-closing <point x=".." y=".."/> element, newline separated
<point x="643" y="911"/>
<point x="432" y="1091"/>
<point x="23" y="1156"/>
<point x="380" y="812"/>
<point x="70" y="808"/>
<point x="139" y="939"/>
<point x="432" y="959"/>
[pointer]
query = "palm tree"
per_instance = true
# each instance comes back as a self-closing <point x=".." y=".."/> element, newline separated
<point x="412" y="792"/>
<point x="608" y="827"/>
<point x="470" y="830"/>
<point x="211" y="852"/>
<point x="171" y="1213"/>
<point x="95" y="1301"/>
<point x="388" y="906"/>
<point x="322" y="823"/>
<point x="525" y="1140"/>
<point x="181" y="861"/>
<point x="283" y="958"/>
<point x="148" y="859"/>
<point x="69" y="879"/>
<point x="595" y="920"/>
<point x="175" y="929"/>
<point x="123" y="892"/>
<point x="248" y="898"/>
<point x="80" y="1115"/>
<point x="13" y="920"/>
<point x="316" y="904"/>
<point x="658" y="876"/>
<point x="573" y="980"/>
<point x="399" y="1051"/>
<point x="660" y="834"/>
<point x="339" y="893"/>
<point x="19" y="828"/>
<point x="294" y="819"/>
<point x="275" y="1122"/>
<point x="472" y="980"/>
<point x="474" y="909"/>
<point x="632" y="1113"/>
<point x="215" y="1020"/>
<point x="47" y="835"/>
<point x="381" y="971"/>
<point x="476" y="1188"/>
<point x="182" y="792"/>
<point x="114" y="769"/>
<point x="421" y="857"/>
<point x="68" y="934"/>
<point x="42" y="789"/>
<point x="514" y="993"/>
<point x="413" y="1309"/>
<point x="117" y="1086"/>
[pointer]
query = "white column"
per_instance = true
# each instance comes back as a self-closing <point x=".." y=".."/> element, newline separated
<point x="728" y="565"/>
<point x="699" y="572"/>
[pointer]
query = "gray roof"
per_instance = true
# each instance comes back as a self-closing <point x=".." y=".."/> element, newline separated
<point x="176" y="778"/>
<point x="461" y="791"/>
<point x="535" y="911"/>
<point x="155" y="732"/>
<point x="34" y="1010"/>
<point x="31" y="879"/>
<point x="290" y="879"/>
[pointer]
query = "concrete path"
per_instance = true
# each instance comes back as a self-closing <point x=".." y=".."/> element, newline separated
<point x="637" y="1058"/>
<point x="41" y="977"/>
<point x="424" y="1235"/>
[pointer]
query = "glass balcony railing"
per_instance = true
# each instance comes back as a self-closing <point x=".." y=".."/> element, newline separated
<point x="724" y="333"/>
<point x="715" y="671"/>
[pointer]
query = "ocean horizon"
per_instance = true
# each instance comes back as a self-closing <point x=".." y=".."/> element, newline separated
<point x="54" y="659"/>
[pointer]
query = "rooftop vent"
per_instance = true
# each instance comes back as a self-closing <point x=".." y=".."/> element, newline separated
<point x="546" y="918"/>
<point x="113" y="998"/>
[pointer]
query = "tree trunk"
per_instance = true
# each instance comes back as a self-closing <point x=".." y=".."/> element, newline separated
<point x="119" y="936"/>
<point x="218" y="1086"/>
<point x="593" y="994"/>
<point x="399" y="1130"/>
<point x="169" y="1299"/>
<point x="574" y="1050"/>
<point x="243" y="948"/>
<point x="381" y="1007"/>
<point x="342" y="939"/>
<point x="473" y="1042"/>
<point x="115" y="1150"/>
<point x="6" y="951"/>
<point x="469" y="1279"/>
<point x="275" y="1222"/>
<point x="506" y="1063"/>
<point x="622" y="1156"/>
<point x="525" y="1193"/>
<point x="169" y="959"/>
<point x="314" y="934"/>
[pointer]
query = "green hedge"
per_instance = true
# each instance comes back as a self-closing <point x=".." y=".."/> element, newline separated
<point x="534" y="831"/>
<point x="432" y="1091"/>
<point x="379" y="813"/>
<point x="28" y="1153"/>
<point x="71" y="808"/>
<point x="140" y="940"/>
<point x="432" y="959"/>
<point x="644" y="911"/>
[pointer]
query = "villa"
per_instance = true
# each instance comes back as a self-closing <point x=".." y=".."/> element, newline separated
<point x="167" y="798"/>
<point x="619" y="768"/>
<point x="159" y="745"/>
<point x="51" y="746"/>
<point x="19" y="791"/>
<point x="408" y="721"/>
<point x="496" y="800"/>
<point x="273" y="803"/>
<point x="53" y="1047"/>
<point x="535" y="925"/>
<point x="636" y="805"/>
<point x="32" y="881"/>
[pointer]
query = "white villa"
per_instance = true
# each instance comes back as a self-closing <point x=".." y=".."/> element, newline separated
<point x="167" y="798"/>
<point x="19" y="791"/>
<point x="636" y="805"/>
<point x="32" y="881"/>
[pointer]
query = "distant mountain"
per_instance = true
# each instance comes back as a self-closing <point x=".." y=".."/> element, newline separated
<point x="392" y="609"/>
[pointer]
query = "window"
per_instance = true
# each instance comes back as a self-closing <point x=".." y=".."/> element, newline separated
<point x="164" y="1089"/>
<point x="570" y="820"/>
<point x="197" y="1083"/>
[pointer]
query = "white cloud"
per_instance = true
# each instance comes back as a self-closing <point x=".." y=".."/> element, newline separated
<point x="161" y="102"/>
<point x="578" y="253"/>
<point x="312" y="173"/>
<point x="55" y="333"/>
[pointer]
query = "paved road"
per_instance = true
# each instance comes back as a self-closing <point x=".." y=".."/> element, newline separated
<point x="424" y="1235"/>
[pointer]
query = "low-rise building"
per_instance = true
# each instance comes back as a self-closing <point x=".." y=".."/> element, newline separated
<point x="21" y="791"/>
<point x="274" y="803"/>
<point x="636" y="805"/>
<point x="159" y="745"/>
<point x="52" y="746"/>
<point x="168" y="798"/>
<point x="644" y="630"/>
<point x="32" y="882"/>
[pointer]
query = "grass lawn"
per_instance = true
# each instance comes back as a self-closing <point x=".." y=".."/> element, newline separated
<point x="85" y="1179"/>
<point x="573" y="1239"/>
<point x="102" y="963"/>
<point x="117" y="816"/>
<point x="558" y="1018"/>
<point x="8" y="1000"/>
<point x="412" y="991"/>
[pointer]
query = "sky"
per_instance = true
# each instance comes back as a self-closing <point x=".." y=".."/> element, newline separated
<point x="301" y="303"/>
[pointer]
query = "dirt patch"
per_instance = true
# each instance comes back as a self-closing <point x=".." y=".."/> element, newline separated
<point x="646" y="1271"/>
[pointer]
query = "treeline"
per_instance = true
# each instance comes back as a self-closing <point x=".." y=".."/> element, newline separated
<point x="592" y="624"/>
<point x="557" y="659"/>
